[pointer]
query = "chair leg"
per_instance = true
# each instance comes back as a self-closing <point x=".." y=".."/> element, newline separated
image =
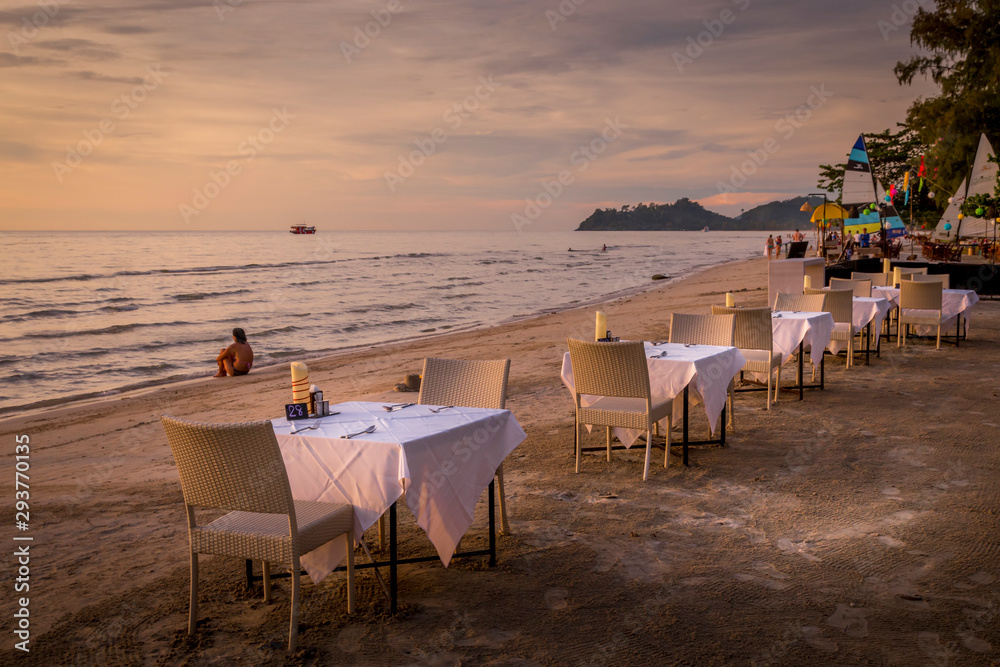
<point x="576" y="443"/>
<point x="769" y="376"/>
<point x="649" y="451"/>
<point x="193" y="605"/>
<point x="609" y="442"/>
<point x="502" y="499"/>
<point x="939" y="336"/>
<point x="293" y="624"/>
<point x="666" y="445"/>
<point x="732" y="394"/>
<point x="267" y="581"/>
<point x="350" y="571"/>
<point x="777" y="383"/>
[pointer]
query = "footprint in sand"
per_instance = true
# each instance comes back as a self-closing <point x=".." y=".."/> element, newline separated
<point x="851" y="620"/>
<point x="931" y="646"/>
<point x="799" y="548"/>
<point x="349" y="639"/>
<point x="814" y="637"/>
<point x="555" y="598"/>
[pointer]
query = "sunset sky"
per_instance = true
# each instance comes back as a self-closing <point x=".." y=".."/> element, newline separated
<point x="254" y="114"/>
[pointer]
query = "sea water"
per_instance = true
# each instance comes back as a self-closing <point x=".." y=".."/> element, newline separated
<point x="88" y="313"/>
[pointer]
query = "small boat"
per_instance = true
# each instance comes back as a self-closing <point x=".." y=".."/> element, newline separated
<point x="302" y="229"/>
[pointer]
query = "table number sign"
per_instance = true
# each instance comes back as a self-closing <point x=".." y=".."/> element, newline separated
<point x="295" y="411"/>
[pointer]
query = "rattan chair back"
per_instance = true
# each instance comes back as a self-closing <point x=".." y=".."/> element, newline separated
<point x="899" y="271"/>
<point x="465" y="383"/>
<point x="920" y="295"/>
<point x="703" y="329"/>
<point x="812" y="303"/>
<point x="753" y="330"/>
<point x="878" y="279"/>
<point x="609" y="369"/>
<point x="838" y="302"/>
<point x="942" y="278"/>
<point x="860" y="287"/>
<point x="233" y="467"/>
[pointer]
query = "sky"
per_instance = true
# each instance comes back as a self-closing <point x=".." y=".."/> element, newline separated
<point x="426" y="114"/>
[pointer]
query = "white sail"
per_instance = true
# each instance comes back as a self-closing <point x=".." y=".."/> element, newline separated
<point x="981" y="182"/>
<point x="950" y="217"/>
<point x="859" y="186"/>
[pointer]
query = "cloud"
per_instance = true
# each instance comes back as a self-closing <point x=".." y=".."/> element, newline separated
<point x="80" y="48"/>
<point x="87" y="75"/>
<point x="11" y="60"/>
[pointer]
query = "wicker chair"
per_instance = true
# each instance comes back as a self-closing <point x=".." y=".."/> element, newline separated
<point x="878" y="279"/>
<point x="706" y="330"/>
<point x="754" y="338"/>
<point x="469" y="384"/>
<point x="859" y="287"/>
<point x="919" y="303"/>
<point x="942" y="278"/>
<point x="840" y="304"/>
<point x="899" y="271"/>
<point x="801" y="303"/>
<point x="618" y="374"/>
<point x="238" y="468"/>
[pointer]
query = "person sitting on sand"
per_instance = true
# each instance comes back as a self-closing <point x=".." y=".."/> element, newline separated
<point x="237" y="358"/>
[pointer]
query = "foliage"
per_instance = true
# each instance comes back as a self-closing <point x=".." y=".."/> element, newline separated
<point x="960" y="40"/>
<point x="687" y="215"/>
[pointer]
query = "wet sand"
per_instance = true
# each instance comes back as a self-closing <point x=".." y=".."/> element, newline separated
<point x="858" y="526"/>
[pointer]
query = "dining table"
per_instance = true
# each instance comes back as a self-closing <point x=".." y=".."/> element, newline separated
<point x="956" y="305"/>
<point x="439" y="458"/>
<point x="676" y="371"/>
<point x="791" y="331"/>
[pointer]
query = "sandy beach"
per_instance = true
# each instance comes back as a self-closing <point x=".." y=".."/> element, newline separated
<point x="858" y="526"/>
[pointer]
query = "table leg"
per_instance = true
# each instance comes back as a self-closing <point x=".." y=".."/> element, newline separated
<point x="493" y="529"/>
<point x="801" y="378"/>
<point x="868" y="344"/>
<point x="392" y="559"/>
<point x="958" y="328"/>
<point x="685" y="441"/>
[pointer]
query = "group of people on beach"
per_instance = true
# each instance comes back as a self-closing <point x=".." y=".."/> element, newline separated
<point x="774" y="245"/>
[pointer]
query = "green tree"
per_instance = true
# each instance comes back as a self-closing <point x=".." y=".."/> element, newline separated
<point x="961" y="44"/>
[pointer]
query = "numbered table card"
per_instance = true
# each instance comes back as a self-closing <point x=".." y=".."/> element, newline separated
<point x="295" y="411"/>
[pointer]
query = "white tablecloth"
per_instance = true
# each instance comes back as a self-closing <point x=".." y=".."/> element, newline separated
<point x="442" y="461"/>
<point x="789" y="329"/>
<point x="707" y="368"/>
<point x="954" y="302"/>
<point x="866" y="309"/>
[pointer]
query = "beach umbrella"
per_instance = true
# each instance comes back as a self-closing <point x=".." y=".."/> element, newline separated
<point x="828" y="211"/>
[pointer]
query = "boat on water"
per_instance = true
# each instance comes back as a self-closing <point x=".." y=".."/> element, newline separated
<point x="302" y="229"/>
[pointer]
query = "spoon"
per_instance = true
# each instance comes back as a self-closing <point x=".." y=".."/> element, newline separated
<point x="304" y="428"/>
<point x="443" y="407"/>
<point x="370" y="429"/>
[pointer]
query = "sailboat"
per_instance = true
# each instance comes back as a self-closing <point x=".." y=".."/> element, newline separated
<point x="858" y="192"/>
<point x="981" y="182"/>
<point x="950" y="216"/>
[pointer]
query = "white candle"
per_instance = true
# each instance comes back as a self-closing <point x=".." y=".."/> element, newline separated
<point x="730" y="300"/>
<point x="300" y="382"/>
<point x="602" y="325"/>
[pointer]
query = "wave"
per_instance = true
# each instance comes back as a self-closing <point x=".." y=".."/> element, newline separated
<point x="385" y="307"/>
<point x="213" y="269"/>
<point x="36" y="314"/>
<point x="198" y="296"/>
<point x="104" y="331"/>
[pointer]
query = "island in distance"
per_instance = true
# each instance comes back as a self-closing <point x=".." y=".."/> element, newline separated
<point x="687" y="215"/>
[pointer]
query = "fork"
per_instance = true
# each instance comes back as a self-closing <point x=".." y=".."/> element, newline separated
<point x="443" y="407"/>
<point x="657" y="356"/>
<point x="304" y="428"/>
<point x="370" y="429"/>
<point x="396" y="406"/>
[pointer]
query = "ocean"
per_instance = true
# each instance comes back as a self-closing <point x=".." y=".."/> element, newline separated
<point x="92" y="313"/>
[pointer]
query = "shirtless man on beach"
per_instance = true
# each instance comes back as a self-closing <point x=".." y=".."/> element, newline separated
<point x="237" y="358"/>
